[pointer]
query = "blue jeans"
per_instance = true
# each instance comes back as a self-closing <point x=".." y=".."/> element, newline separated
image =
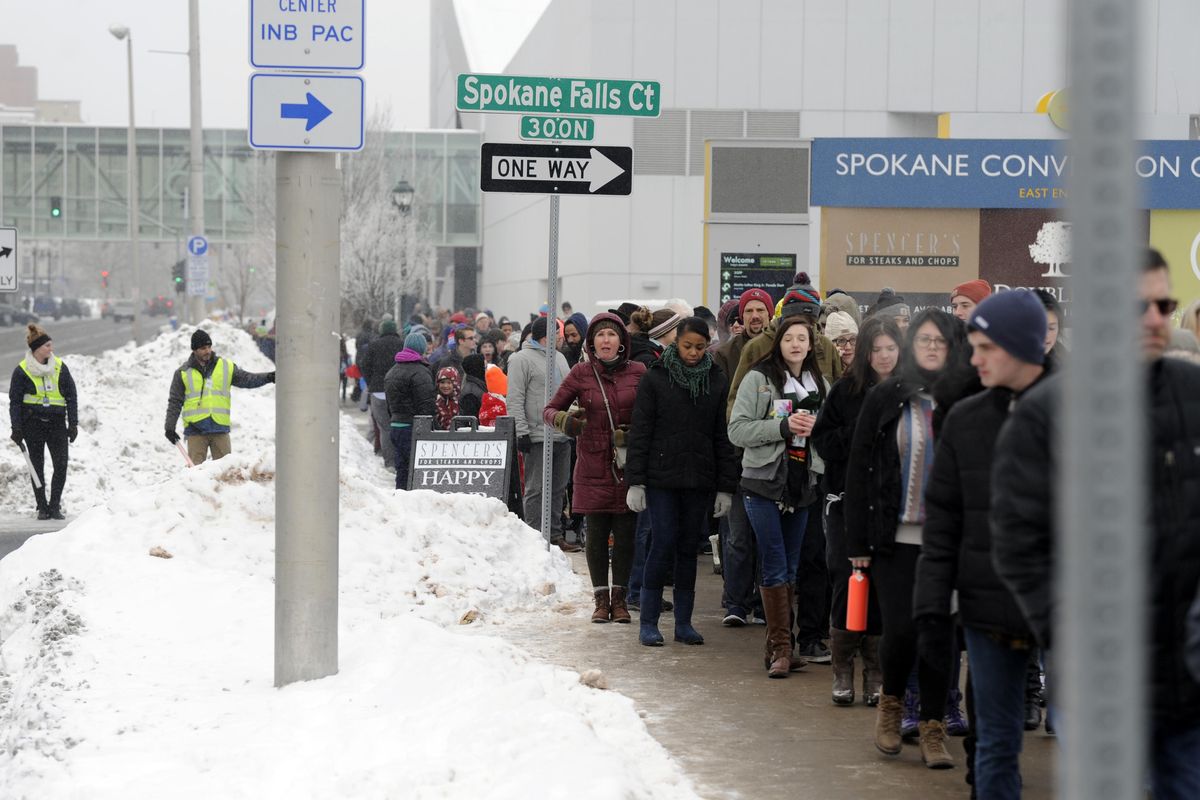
<point x="679" y="518"/>
<point x="1175" y="761"/>
<point x="402" y="444"/>
<point x="779" y="536"/>
<point x="998" y="689"/>
<point x="641" y="545"/>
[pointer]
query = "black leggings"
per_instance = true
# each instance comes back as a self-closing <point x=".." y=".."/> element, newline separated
<point x="894" y="576"/>
<point x="52" y="433"/>
<point x="599" y="526"/>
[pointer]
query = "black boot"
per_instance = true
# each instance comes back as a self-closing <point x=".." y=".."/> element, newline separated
<point x="1033" y="693"/>
<point x="684" y="632"/>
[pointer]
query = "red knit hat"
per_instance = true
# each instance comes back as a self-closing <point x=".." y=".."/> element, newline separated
<point x="976" y="290"/>
<point x="754" y="294"/>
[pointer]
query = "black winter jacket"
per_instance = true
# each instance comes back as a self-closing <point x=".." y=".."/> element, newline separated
<point x="470" y="399"/>
<point x="956" y="541"/>
<point x="643" y="349"/>
<point x="410" y="391"/>
<point x="833" y="432"/>
<point x="381" y="355"/>
<point x="19" y="411"/>
<point x="872" y="501"/>
<point x="1023" y="534"/>
<point x="677" y="444"/>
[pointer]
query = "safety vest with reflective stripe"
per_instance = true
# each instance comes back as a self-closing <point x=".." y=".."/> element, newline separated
<point x="207" y="397"/>
<point x="46" y="392"/>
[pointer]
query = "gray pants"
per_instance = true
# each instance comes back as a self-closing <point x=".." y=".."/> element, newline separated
<point x="558" y="488"/>
<point x="383" y="420"/>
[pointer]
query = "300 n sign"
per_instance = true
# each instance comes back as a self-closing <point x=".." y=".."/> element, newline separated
<point x="580" y="129"/>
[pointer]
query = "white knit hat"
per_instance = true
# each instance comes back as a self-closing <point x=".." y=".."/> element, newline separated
<point x="840" y="324"/>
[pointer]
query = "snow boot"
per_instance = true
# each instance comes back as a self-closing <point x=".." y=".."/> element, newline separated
<point x="651" y="608"/>
<point x="620" y="611"/>
<point x="933" y="745"/>
<point x="843" y="644"/>
<point x="603" y="611"/>
<point x="887" y="725"/>
<point x="684" y="632"/>
<point x="778" y="652"/>
<point x="872" y="671"/>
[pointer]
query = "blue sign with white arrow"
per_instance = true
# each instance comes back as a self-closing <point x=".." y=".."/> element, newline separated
<point x="295" y="111"/>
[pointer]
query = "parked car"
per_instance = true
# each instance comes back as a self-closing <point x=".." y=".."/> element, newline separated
<point x="47" y="306"/>
<point x="11" y="315"/>
<point x="123" y="309"/>
<point x="71" y="307"/>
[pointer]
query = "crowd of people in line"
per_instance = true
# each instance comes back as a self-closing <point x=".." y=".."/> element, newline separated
<point x="817" y="439"/>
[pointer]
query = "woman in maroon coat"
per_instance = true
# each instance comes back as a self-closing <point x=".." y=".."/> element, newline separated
<point x="599" y="484"/>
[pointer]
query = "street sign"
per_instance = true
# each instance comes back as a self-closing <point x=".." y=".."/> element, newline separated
<point x="306" y="34"/>
<point x="556" y="169"/>
<point x="579" y="129"/>
<point x="197" y="245"/>
<point x="197" y="275"/>
<point x="517" y="94"/>
<point x="293" y="111"/>
<point x="8" y="259"/>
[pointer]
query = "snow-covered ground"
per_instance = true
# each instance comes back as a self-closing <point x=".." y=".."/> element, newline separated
<point x="129" y="675"/>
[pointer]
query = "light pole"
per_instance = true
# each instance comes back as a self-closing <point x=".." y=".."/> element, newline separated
<point x="123" y="32"/>
<point x="402" y="199"/>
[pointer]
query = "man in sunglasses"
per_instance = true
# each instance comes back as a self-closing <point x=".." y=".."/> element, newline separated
<point x="1023" y="529"/>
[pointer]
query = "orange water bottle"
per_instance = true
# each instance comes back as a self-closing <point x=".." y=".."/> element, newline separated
<point x="856" y="602"/>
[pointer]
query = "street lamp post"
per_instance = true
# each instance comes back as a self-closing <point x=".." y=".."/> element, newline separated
<point x="123" y="32"/>
<point x="402" y="199"/>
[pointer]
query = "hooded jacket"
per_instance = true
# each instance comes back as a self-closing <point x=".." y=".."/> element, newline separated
<point x="409" y="388"/>
<point x="599" y="488"/>
<point x="381" y="355"/>
<point x="580" y="323"/>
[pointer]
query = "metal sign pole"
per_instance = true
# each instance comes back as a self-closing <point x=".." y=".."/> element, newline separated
<point x="308" y="190"/>
<point x="1101" y="638"/>
<point x="551" y="382"/>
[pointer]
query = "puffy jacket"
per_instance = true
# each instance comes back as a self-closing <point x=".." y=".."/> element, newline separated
<point x="956" y="541"/>
<point x="1023" y="535"/>
<point x="597" y="489"/>
<point x="833" y="432"/>
<point x="873" y="483"/>
<point x="679" y="444"/>
<point x="527" y="388"/>
<point x="381" y="355"/>
<point x="410" y="389"/>
<point x="643" y="349"/>
<point x="470" y="399"/>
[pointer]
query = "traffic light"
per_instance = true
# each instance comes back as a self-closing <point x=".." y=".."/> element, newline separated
<point x="177" y="273"/>
<point x="104" y="279"/>
<point x="55" y="206"/>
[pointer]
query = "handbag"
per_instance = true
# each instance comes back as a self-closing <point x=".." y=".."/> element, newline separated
<point x="620" y="452"/>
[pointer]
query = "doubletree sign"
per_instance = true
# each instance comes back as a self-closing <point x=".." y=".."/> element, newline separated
<point x="532" y="95"/>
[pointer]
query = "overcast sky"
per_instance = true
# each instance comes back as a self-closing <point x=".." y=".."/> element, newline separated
<point x="77" y="59"/>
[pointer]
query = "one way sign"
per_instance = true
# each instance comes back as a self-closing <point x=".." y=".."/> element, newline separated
<point x="556" y="169"/>
<point x="8" y="259"/>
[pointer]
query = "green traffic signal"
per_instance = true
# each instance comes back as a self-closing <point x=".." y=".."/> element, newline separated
<point x="56" y="207"/>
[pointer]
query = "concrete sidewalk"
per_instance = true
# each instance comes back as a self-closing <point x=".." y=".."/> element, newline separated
<point x="738" y="733"/>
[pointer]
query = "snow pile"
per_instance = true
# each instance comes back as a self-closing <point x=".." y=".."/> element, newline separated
<point x="126" y="675"/>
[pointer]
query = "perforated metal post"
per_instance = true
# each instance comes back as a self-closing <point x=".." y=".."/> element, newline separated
<point x="1100" y="633"/>
<point x="551" y="377"/>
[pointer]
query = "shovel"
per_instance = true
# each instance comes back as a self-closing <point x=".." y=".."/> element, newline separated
<point x="179" y="447"/>
<point x="37" y="483"/>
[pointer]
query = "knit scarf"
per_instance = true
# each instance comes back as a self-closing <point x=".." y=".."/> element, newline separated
<point x="37" y="368"/>
<point x="694" y="379"/>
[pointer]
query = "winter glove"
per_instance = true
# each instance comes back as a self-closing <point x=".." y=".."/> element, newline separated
<point x="935" y="641"/>
<point x="524" y="443"/>
<point x="635" y="498"/>
<point x="723" y="503"/>
<point x="271" y="376"/>
<point x="172" y="436"/>
<point x="18" y="437"/>
<point x="569" y="424"/>
<point x="72" y="432"/>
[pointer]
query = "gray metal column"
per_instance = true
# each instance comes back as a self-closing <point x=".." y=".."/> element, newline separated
<point x="552" y="378"/>
<point x="195" y="305"/>
<point x="1100" y="631"/>
<point x="307" y="227"/>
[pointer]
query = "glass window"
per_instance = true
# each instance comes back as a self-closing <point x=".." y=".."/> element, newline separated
<point x="80" y="212"/>
<point x="18" y="174"/>
<point x="112" y="183"/>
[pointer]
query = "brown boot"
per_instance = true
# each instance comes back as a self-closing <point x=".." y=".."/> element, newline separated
<point x="603" y="612"/>
<point x="778" y="656"/>
<point x="620" y="611"/>
<point x="872" y="671"/>
<point x="843" y="644"/>
<point x="887" y="725"/>
<point x="798" y="662"/>
<point x="933" y="744"/>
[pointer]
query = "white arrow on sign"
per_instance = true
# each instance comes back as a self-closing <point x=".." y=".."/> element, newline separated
<point x="597" y="171"/>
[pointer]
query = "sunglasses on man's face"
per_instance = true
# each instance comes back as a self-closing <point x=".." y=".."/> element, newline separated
<point x="1165" y="305"/>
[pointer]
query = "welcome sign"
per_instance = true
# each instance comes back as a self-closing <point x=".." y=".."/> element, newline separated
<point x="984" y="173"/>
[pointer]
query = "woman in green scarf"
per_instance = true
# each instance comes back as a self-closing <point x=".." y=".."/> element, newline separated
<point x="681" y="468"/>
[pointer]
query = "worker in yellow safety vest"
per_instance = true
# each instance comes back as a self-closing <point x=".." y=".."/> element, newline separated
<point x="201" y="394"/>
<point x="44" y="413"/>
